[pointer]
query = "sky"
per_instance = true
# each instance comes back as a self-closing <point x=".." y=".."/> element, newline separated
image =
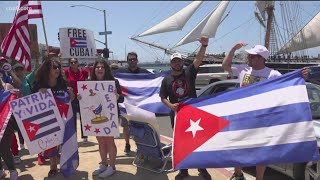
<point x="129" y="18"/>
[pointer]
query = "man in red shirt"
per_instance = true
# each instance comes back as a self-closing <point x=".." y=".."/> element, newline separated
<point x="74" y="74"/>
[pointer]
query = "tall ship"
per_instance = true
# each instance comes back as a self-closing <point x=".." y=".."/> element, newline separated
<point x="286" y="36"/>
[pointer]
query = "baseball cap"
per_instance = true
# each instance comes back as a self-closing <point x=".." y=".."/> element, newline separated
<point x="17" y="65"/>
<point x="175" y="55"/>
<point x="3" y="59"/>
<point x="260" y="50"/>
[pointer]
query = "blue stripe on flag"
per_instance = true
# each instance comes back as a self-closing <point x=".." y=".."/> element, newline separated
<point x="50" y="131"/>
<point x="290" y="79"/>
<point x="39" y="116"/>
<point x="4" y="95"/>
<point x="268" y="117"/>
<point x="252" y="156"/>
<point x="143" y="91"/>
<point x="157" y="107"/>
<point x="140" y="75"/>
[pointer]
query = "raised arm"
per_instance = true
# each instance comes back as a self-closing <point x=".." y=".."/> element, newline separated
<point x="204" y="43"/>
<point x="226" y="64"/>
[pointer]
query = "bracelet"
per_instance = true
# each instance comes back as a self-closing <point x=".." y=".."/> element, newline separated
<point x="204" y="45"/>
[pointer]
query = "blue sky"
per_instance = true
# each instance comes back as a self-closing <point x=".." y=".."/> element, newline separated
<point x="126" y="19"/>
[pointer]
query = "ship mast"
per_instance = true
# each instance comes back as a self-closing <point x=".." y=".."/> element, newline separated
<point x="166" y="50"/>
<point x="270" y="13"/>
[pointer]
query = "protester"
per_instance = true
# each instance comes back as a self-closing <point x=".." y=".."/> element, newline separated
<point x="8" y="76"/>
<point x="132" y="60"/>
<point x="250" y="73"/>
<point x="49" y="76"/>
<point x="74" y="74"/>
<point x="5" y="145"/>
<point x="25" y="89"/>
<point x="107" y="146"/>
<point x="180" y="86"/>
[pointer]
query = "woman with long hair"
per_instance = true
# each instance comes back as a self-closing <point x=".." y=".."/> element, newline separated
<point x="49" y="76"/>
<point x="102" y="72"/>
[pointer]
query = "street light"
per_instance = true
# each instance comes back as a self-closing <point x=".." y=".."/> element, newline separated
<point x="105" y="25"/>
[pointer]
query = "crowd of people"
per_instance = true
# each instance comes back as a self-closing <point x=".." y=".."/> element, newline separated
<point x="177" y="87"/>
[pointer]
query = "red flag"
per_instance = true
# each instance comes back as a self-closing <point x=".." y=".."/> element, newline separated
<point x="5" y="114"/>
<point x="16" y="44"/>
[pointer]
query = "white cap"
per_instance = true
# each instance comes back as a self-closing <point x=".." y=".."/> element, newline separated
<point x="259" y="49"/>
<point x="175" y="55"/>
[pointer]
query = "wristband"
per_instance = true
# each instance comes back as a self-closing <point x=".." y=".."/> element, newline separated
<point x="204" y="45"/>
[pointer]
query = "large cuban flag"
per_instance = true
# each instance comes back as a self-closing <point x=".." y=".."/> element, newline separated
<point x="263" y="123"/>
<point x="5" y="98"/>
<point x="69" y="159"/>
<point x="142" y="90"/>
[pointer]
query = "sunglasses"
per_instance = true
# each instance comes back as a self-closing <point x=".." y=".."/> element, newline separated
<point x="56" y="67"/>
<point x="253" y="55"/>
<point x="74" y="62"/>
<point x="133" y="59"/>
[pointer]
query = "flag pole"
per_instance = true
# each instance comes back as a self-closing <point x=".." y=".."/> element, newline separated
<point x="45" y="37"/>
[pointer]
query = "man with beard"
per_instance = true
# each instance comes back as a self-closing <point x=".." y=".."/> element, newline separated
<point x="132" y="60"/>
<point x="179" y="86"/>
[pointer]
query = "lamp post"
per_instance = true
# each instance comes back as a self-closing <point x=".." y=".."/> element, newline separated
<point x="105" y="26"/>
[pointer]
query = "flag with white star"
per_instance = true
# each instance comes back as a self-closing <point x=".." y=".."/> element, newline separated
<point x="264" y="123"/>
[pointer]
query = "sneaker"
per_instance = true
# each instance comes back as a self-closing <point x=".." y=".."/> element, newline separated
<point x="204" y="173"/>
<point x="127" y="149"/>
<point x="236" y="177"/>
<point x="16" y="159"/>
<point x="100" y="170"/>
<point x="182" y="174"/>
<point x="2" y="174"/>
<point x="21" y="147"/>
<point x="108" y="172"/>
<point x="13" y="175"/>
<point x="41" y="160"/>
<point x="85" y="140"/>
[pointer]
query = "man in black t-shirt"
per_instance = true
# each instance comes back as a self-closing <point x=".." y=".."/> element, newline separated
<point x="179" y="86"/>
<point x="132" y="60"/>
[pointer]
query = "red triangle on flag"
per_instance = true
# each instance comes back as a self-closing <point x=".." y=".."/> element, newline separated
<point x="186" y="141"/>
<point x="63" y="108"/>
<point x="72" y="42"/>
<point x="31" y="129"/>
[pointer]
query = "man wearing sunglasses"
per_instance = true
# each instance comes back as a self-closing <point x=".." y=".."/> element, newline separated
<point x="250" y="73"/>
<point x="132" y="60"/>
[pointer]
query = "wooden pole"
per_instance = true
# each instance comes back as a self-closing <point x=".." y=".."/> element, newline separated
<point x="45" y="37"/>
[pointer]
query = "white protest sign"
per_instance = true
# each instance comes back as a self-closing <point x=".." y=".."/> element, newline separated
<point x="77" y="43"/>
<point x="98" y="108"/>
<point x="39" y="121"/>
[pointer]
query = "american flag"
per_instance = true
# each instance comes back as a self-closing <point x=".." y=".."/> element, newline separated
<point x="16" y="44"/>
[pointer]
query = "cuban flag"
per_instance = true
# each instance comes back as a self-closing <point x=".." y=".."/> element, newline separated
<point x="69" y="159"/>
<point x="78" y="42"/>
<point x="142" y="90"/>
<point x="264" y="123"/>
<point x="5" y="98"/>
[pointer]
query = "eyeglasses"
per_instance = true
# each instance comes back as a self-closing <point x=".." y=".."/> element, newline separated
<point x="133" y="59"/>
<point x="56" y="67"/>
<point x="99" y="67"/>
<point x="74" y="62"/>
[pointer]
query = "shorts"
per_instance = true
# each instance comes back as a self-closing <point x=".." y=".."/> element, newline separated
<point x="123" y="121"/>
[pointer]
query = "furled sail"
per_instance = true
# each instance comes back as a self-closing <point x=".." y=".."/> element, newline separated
<point x="174" y="22"/>
<point x="207" y="27"/>
<point x="307" y="37"/>
<point x="261" y="5"/>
